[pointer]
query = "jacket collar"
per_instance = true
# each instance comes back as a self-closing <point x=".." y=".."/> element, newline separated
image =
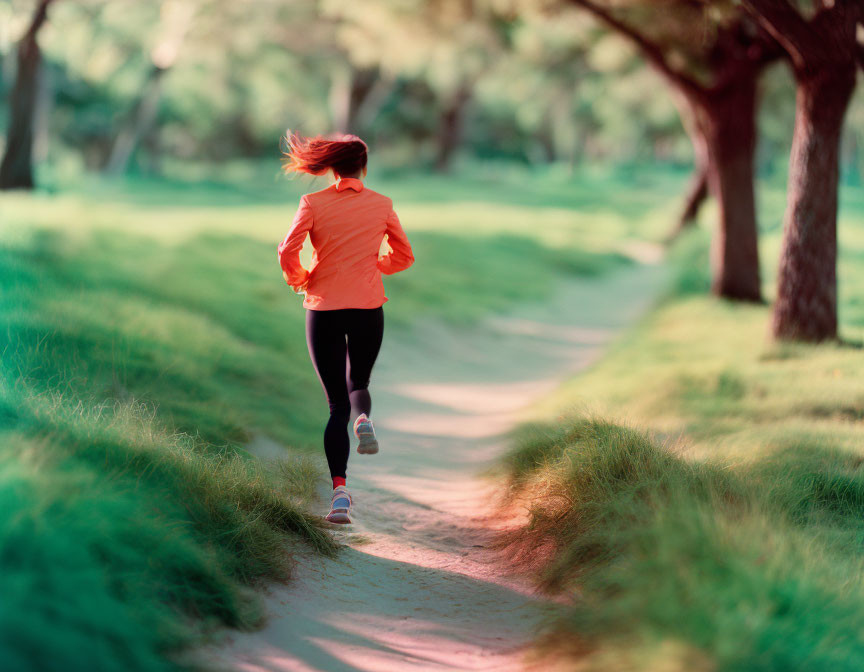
<point x="349" y="183"/>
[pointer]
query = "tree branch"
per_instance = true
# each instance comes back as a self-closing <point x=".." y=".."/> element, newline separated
<point x="858" y="33"/>
<point x="652" y="52"/>
<point x="783" y="22"/>
<point x="40" y="15"/>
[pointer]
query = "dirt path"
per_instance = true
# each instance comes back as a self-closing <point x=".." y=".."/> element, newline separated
<point x="417" y="589"/>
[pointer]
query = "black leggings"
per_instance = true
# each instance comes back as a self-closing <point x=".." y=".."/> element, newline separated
<point x="343" y="345"/>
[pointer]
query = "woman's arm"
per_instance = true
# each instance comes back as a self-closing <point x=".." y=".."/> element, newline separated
<point x="400" y="256"/>
<point x="289" y="249"/>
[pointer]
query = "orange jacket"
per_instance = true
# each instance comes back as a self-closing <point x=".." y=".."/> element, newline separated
<point x="346" y="223"/>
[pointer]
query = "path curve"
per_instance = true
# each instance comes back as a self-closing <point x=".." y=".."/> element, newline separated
<point x="417" y="588"/>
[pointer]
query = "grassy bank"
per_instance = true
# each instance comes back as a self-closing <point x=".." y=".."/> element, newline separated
<point x="699" y="492"/>
<point x="148" y="336"/>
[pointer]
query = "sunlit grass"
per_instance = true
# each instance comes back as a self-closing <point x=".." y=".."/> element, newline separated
<point x="698" y="491"/>
<point x="709" y="370"/>
<point x="755" y="567"/>
<point x="148" y="335"/>
<point x="123" y="540"/>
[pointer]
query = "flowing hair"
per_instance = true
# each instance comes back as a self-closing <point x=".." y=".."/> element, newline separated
<point x="344" y="154"/>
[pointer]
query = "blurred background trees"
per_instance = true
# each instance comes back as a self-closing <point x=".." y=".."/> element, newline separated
<point x="434" y="81"/>
<point x="156" y="88"/>
<point x="713" y="74"/>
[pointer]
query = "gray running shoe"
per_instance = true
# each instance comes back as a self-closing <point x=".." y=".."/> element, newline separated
<point x="340" y="506"/>
<point x="365" y="432"/>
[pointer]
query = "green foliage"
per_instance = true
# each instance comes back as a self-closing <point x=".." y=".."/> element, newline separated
<point x="546" y="83"/>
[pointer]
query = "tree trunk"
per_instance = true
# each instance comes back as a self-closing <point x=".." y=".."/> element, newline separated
<point x="176" y="20"/>
<point x="727" y="120"/>
<point x="339" y="99"/>
<point x="806" y="307"/>
<point x="696" y="195"/>
<point x="546" y="136"/>
<point x="370" y="105"/>
<point x="697" y="191"/>
<point x="349" y="91"/>
<point x="43" y="113"/>
<point x="450" y="129"/>
<point x="16" y="169"/>
<point x="138" y="123"/>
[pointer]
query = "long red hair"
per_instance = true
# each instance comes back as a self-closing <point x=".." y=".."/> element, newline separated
<point x="344" y="154"/>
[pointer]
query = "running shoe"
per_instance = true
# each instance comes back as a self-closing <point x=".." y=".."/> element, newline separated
<point x="340" y="506"/>
<point x="365" y="432"/>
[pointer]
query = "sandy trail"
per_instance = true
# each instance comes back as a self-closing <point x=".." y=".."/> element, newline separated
<point x="416" y="588"/>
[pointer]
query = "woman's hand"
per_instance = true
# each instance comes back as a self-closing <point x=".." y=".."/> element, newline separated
<point x="301" y="288"/>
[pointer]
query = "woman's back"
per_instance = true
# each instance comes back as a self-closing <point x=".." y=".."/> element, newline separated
<point x="346" y="223"/>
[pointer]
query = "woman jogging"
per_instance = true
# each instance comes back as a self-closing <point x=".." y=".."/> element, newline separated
<point x="344" y="294"/>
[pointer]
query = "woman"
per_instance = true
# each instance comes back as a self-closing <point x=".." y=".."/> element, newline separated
<point x="347" y="223"/>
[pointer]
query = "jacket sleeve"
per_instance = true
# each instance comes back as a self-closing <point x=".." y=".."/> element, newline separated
<point x="289" y="249"/>
<point x="400" y="257"/>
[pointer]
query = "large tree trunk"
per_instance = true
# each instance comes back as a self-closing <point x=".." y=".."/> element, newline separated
<point x="727" y="121"/>
<point x="806" y="307"/>
<point x="16" y="169"/>
<point x="450" y="129"/>
<point x="724" y="115"/>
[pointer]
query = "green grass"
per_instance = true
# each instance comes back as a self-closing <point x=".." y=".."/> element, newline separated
<point x="174" y="296"/>
<point x="755" y="567"/>
<point x="698" y="492"/>
<point x="148" y="336"/>
<point x="123" y="540"/>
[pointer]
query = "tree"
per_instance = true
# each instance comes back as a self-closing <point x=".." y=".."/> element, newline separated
<point x="548" y="65"/>
<point x="697" y="190"/>
<point x="451" y="121"/>
<point x="176" y="19"/>
<point x="825" y="55"/>
<point x="16" y="169"/>
<point x="716" y="92"/>
<point x="356" y="93"/>
<point x="696" y="195"/>
<point x="448" y="44"/>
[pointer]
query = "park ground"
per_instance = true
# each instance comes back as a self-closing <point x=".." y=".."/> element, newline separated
<point x="150" y="340"/>
<point x="698" y="493"/>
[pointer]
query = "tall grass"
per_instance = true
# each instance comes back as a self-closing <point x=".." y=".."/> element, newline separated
<point x="123" y="540"/>
<point x="147" y="336"/>
<point x="131" y="523"/>
<point x="755" y="567"/>
<point x="706" y="512"/>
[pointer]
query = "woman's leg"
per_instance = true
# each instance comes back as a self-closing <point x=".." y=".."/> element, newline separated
<point x="365" y="329"/>
<point x="325" y="336"/>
